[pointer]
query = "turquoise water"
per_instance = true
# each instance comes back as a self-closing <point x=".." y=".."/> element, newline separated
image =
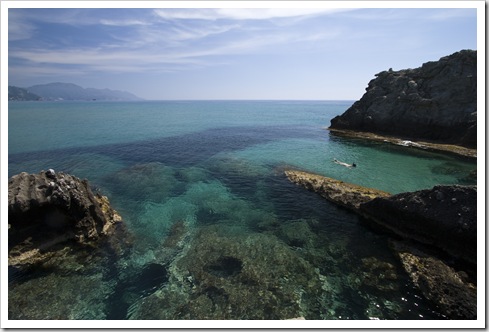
<point x="215" y="169"/>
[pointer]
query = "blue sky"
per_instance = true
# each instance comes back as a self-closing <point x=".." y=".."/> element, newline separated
<point x="233" y="53"/>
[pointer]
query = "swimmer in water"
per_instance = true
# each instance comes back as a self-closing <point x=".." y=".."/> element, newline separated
<point x="344" y="164"/>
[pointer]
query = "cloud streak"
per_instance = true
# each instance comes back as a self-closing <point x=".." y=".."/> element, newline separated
<point x="177" y="43"/>
<point x="241" y="14"/>
<point x="167" y="41"/>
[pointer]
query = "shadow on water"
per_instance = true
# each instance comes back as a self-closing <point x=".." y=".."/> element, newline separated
<point x="183" y="150"/>
<point x="146" y="282"/>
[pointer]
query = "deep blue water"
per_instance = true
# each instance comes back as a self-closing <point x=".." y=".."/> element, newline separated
<point x="208" y="163"/>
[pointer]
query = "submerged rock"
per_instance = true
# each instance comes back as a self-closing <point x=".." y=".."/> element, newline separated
<point x="435" y="102"/>
<point x="443" y="218"/>
<point x="450" y="290"/>
<point x="228" y="274"/>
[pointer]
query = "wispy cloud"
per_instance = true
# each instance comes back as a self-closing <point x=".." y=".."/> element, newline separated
<point x="72" y="42"/>
<point x="19" y="28"/>
<point x="408" y="14"/>
<point x="241" y="14"/>
<point x="124" y="22"/>
<point x="161" y="38"/>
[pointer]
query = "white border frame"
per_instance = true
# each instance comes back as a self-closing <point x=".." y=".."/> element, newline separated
<point x="479" y="5"/>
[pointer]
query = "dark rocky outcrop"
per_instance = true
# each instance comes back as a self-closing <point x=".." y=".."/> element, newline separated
<point x="444" y="217"/>
<point x="451" y="291"/>
<point x="438" y="230"/>
<point x="48" y="209"/>
<point x="435" y="102"/>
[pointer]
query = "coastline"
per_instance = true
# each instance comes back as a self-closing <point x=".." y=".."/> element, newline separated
<point x="453" y="149"/>
<point x="436" y="249"/>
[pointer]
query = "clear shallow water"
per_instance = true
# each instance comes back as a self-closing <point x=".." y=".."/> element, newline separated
<point x="212" y="173"/>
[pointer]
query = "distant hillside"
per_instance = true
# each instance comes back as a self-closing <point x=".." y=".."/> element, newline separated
<point x="20" y="94"/>
<point x="69" y="91"/>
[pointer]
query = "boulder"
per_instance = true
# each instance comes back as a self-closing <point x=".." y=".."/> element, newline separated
<point x="444" y="217"/>
<point x="435" y="102"/>
<point x="48" y="209"/>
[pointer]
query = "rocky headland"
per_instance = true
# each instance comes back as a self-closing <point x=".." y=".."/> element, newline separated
<point x="436" y="103"/>
<point x="434" y="234"/>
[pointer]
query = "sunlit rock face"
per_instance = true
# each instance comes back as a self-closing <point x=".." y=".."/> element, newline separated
<point x="435" y="102"/>
<point x="48" y="209"/>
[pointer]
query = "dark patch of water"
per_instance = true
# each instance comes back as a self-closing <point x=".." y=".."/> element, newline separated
<point x="183" y="150"/>
<point x="225" y="267"/>
<point x="206" y="216"/>
<point x="146" y="282"/>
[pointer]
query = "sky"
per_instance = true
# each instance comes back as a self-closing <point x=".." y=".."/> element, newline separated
<point x="230" y="53"/>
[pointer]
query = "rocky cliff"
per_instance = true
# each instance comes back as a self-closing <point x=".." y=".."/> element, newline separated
<point x="435" y="102"/>
<point x="48" y="209"/>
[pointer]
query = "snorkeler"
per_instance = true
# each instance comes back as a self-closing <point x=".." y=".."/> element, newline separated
<point x="344" y="164"/>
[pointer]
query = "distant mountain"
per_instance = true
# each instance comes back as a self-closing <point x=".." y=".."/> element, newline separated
<point x="20" y="94"/>
<point x="69" y="91"/>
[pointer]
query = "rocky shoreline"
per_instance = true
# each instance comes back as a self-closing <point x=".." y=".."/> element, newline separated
<point x="436" y="102"/>
<point x="429" y="146"/>
<point x="62" y="240"/>
<point x="77" y="247"/>
<point x="58" y="226"/>
<point x="48" y="211"/>
<point x="434" y="234"/>
<point x="348" y="195"/>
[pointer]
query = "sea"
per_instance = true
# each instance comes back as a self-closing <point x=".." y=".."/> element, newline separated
<point x="217" y="230"/>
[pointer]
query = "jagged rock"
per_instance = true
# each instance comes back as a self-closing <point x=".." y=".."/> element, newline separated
<point x="49" y="208"/>
<point x="342" y="193"/>
<point x="435" y="102"/>
<point x="451" y="291"/>
<point x="444" y="217"/>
